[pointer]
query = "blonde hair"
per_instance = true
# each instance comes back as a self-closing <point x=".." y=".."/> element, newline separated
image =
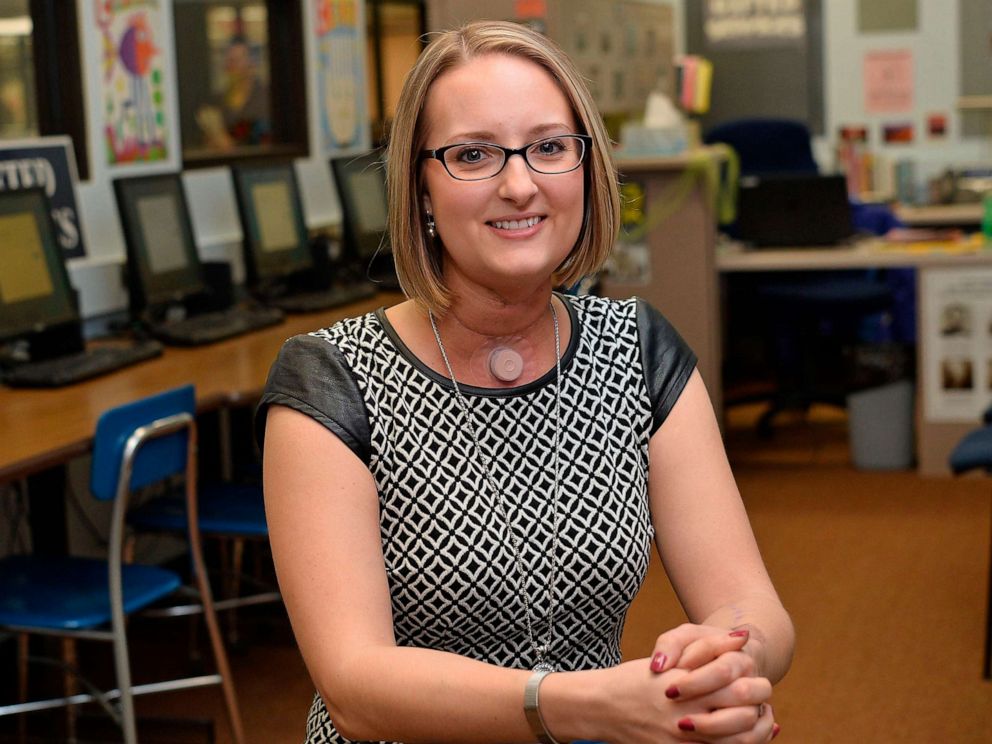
<point x="418" y="258"/>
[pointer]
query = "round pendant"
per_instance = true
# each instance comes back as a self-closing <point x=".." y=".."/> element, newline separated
<point x="545" y="666"/>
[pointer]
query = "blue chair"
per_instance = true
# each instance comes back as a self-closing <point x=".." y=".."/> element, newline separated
<point x="230" y="513"/>
<point x="800" y="309"/>
<point x="974" y="452"/>
<point x="136" y="445"/>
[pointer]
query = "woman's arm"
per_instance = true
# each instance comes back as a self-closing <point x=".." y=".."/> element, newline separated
<point x="706" y="544"/>
<point x="323" y="517"/>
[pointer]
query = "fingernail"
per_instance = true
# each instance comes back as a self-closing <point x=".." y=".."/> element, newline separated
<point x="672" y="692"/>
<point x="775" y="729"/>
<point x="686" y="724"/>
<point x="658" y="662"/>
<point x="739" y="633"/>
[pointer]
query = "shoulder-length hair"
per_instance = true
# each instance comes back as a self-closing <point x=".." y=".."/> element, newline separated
<point x="417" y="256"/>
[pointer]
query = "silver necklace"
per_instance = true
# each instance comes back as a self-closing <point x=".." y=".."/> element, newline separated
<point x="541" y="650"/>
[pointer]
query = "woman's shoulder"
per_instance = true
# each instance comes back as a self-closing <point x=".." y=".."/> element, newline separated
<point x="353" y="330"/>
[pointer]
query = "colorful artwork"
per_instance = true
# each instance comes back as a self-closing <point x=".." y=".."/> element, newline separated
<point x="340" y="72"/>
<point x="132" y="97"/>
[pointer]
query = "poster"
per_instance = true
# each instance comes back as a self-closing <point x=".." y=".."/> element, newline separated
<point x="127" y="48"/>
<point x="340" y="74"/>
<point x="732" y="24"/>
<point x="48" y="162"/>
<point x="888" y="81"/>
<point x="957" y="328"/>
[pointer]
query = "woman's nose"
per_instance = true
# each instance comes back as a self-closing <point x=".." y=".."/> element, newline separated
<point x="517" y="180"/>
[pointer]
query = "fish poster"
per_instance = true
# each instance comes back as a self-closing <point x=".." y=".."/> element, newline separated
<point x="134" y="42"/>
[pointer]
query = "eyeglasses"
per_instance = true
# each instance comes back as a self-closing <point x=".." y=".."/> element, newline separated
<point x="477" y="161"/>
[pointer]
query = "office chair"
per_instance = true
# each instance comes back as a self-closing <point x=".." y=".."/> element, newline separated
<point x="136" y="445"/>
<point x="974" y="451"/>
<point x="801" y="308"/>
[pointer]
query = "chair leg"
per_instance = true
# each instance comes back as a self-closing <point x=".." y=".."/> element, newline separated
<point x="234" y="588"/>
<point x="216" y="640"/>
<point x="69" y="685"/>
<point x="22" y="684"/>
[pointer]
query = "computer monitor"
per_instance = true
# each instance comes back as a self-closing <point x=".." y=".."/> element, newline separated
<point x="276" y="244"/>
<point x="361" y="185"/>
<point x="37" y="302"/>
<point x="164" y="267"/>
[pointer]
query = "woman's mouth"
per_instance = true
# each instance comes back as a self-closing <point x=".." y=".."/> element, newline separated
<point x="515" y="224"/>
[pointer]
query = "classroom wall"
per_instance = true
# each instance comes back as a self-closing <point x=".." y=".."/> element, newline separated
<point x="209" y="191"/>
<point x="936" y="51"/>
<point x="934" y="45"/>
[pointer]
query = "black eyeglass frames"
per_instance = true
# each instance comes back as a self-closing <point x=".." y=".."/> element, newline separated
<point x="477" y="161"/>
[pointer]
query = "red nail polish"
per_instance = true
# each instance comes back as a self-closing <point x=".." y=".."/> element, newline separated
<point x="672" y="692"/>
<point x="775" y="729"/>
<point x="739" y="634"/>
<point x="658" y="662"/>
<point x="686" y="724"/>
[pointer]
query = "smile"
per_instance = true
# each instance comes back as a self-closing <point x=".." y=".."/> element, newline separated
<point x="515" y="224"/>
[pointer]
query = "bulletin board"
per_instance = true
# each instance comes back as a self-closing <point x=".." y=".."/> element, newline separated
<point x="776" y="73"/>
<point x="623" y="48"/>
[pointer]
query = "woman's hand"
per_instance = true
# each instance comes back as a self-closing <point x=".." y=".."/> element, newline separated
<point x="690" y="646"/>
<point x="640" y="710"/>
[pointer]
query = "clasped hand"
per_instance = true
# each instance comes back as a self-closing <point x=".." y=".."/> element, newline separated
<point x="701" y="686"/>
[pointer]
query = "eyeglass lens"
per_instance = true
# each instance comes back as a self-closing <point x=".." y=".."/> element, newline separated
<point x="474" y="160"/>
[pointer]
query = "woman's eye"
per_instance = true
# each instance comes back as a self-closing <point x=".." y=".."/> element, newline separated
<point x="550" y="147"/>
<point x="470" y="155"/>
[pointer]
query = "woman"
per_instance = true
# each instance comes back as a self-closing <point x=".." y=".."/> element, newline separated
<point x="457" y="488"/>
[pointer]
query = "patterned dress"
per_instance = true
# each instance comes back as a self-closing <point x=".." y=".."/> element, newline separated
<point x="452" y="575"/>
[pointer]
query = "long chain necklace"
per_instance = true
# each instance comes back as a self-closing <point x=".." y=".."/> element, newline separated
<point x="541" y="650"/>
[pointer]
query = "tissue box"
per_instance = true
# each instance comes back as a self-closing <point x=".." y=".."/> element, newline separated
<point x="639" y="140"/>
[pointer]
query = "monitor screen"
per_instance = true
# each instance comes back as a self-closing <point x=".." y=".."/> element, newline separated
<point x="35" y="293"/>
<point x="276" y="243"/>
<point x="163" y="264"/>
<point x="361" y="185"/>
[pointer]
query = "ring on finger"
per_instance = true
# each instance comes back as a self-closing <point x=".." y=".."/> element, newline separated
<point x="761" y="710"/>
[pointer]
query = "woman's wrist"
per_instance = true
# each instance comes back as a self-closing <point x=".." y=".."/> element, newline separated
<point x="569" y="703"/>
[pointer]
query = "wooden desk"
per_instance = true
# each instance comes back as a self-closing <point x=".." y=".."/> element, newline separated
<point x="934" y="439"/>
<point x="42" y="429"/>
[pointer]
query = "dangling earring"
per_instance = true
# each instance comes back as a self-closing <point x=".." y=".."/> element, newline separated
<point x="431" y="227"/>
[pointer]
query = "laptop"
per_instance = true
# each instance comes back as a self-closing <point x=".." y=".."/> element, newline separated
<point x="794" y="210"/>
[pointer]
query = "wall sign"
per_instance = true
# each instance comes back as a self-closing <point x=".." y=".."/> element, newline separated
<point x="743" y="24"/>
<point x="48" y="162"/>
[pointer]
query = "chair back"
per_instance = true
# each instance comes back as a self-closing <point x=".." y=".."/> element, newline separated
<point x="156" y="459"/>
<point x="767" y="146"/>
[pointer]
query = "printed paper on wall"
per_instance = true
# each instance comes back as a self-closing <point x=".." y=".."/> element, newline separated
<point x="133" y="118"/>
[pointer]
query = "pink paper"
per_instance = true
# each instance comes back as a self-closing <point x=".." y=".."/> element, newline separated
<point x="889" y="81"/>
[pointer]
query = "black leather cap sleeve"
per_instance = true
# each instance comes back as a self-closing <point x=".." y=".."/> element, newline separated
<point x="312" y="376"/>
<point x="667" y="361"/>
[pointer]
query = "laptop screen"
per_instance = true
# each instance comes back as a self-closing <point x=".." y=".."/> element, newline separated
<point x="794" y="210"/>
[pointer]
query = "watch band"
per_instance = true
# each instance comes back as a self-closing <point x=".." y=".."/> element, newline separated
<point x="532" y="708"/>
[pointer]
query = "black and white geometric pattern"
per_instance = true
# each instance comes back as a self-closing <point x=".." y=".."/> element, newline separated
<point x="452" y="575"/>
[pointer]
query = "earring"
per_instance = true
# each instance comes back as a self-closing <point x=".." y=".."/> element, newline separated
<point x="431" y="227"/>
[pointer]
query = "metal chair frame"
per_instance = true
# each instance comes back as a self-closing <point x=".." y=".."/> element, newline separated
<point x="117" y="635"/>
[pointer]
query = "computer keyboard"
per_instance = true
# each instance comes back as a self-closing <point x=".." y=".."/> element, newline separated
<point x="308" y="302"/>
<point x="80" y="366"/>
<point x="216" y="326"/>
